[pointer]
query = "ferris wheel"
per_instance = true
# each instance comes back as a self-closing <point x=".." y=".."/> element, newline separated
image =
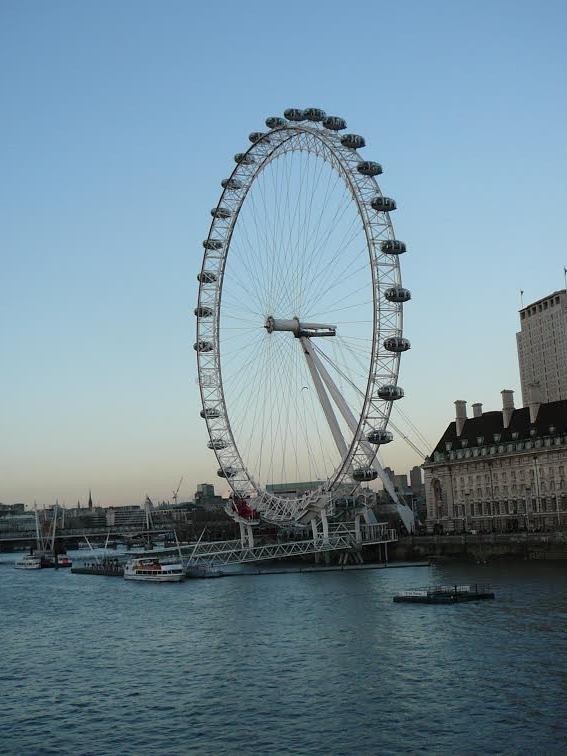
<point x="299" y="320"/>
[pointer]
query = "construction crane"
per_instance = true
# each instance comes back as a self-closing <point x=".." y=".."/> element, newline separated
<point x="176" y="492"/>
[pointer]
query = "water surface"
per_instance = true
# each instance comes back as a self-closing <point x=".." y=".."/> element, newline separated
<point x="295" y="663"/>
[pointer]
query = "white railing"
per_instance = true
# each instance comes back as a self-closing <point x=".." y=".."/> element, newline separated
<point x="341" y="537"/>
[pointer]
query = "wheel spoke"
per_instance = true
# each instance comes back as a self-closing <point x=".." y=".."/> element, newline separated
<point x="293" y="267"/>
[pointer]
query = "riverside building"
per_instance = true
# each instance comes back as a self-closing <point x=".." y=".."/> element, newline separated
<point x="500" y="470"/>
<point x="542" y="349"/>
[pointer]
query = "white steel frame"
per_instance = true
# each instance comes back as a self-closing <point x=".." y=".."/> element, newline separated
<point x="387" y="322"/>
<point x="337" y="538"/>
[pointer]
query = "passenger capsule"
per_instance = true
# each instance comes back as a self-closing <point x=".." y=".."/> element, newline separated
<point x="244" y="158"/>
<point x="354" y="141"/>
<point x="209" y="412"/>
<point x="255" y="136"/>
<point x="294" y="114"/>
<point x="396" y="344"/>
<point x="390" y="393"/>
<point x="217" y="443"/>
<point x="221" y="212"/>
<point x="369" y="168"/>
<point x="207" y="277"/>
<point x="315" y="114"/>
<point x="397" y="294"/>
<point x="203" y="346"/>
<point x="383" y="204"/>
<point x="334" y="123"/>
<point x="379" y="437"/>
<point x="212" y="244"/>
<point x="364" y="474"/>
<point x="203" y="312"/>
<point x="275" y="122"/>
<point x="231" y="183"/>
<point x="228" y="472"/>
<point x="393" y="247"/>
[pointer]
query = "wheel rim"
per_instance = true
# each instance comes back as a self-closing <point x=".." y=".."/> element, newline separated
<point x="297" y="220"/>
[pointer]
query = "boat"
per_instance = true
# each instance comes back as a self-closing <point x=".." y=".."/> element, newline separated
<point x="63" y="561"/>
<point x="46" y="558"/>
<point x="29" y="562"/>
<point x="445" y="594"/>
<point x="152" y="570"/>
<point x="108" y="566"/>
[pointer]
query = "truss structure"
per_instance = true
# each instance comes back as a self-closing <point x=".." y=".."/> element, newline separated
<point x="357" y="457"/>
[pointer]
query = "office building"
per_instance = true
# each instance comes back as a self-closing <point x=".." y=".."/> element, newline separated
<point x="542" y="349"/>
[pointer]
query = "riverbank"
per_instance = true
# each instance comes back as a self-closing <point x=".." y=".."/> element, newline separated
<point x="482" y="547"/>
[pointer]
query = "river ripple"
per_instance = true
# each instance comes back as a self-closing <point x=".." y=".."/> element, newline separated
<point x="321" y="663"/>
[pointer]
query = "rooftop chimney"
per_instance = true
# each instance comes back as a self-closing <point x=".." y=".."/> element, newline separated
<point x="477" y="409"/>
<point x="460" y="415"/>
<point x="534" y="395"/>
<point x="507" y="406"/>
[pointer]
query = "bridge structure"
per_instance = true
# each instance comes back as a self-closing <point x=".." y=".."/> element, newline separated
<point x="346" y="538"/>
<point x="123" y="531"/>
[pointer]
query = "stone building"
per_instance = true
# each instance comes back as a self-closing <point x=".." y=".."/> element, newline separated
<point x="542" y="349"/>
<point x="500" y="470"/>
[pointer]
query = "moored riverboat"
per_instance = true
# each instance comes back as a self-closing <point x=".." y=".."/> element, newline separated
<point x="445" y="594"/>
<point x="152" y="570"/>
<point x="29" y="562"/>
<point x="109" y="567"/>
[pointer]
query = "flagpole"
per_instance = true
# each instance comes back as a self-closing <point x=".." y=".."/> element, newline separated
<point x="521" y="299"/>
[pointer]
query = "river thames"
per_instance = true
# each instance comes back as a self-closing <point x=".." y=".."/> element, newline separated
<point x="320" y="663"/>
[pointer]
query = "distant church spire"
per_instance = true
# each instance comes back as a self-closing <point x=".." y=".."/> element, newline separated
<point x="90" y="500"/>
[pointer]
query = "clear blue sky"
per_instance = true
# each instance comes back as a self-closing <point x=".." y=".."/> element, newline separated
<point x="120" y="118"/>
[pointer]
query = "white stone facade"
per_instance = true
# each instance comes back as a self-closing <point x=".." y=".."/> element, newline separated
<point x="500" y="471"/>
<point x="518" y="484"/>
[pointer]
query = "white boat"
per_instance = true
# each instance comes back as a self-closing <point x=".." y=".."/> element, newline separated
<point x="29" y="562"/>
<point x="152" y="570"/>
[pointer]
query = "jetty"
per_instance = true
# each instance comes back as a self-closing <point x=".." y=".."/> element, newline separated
<point x="107" y="567"/>
<point x="445" y="594"/>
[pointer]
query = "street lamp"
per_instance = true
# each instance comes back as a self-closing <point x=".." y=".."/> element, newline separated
<point x="527" y="518"/>
<point x="467" y="505"/>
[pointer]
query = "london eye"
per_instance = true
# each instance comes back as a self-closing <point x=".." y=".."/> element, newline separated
<point x="300" y="320"/>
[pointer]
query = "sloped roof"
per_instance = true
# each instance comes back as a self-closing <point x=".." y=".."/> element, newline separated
<point x="551" y="414"/>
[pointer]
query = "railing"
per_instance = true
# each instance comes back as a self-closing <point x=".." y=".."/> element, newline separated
<point x="341" y="538"/>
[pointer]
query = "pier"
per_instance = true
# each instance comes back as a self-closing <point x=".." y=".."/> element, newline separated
<point x="342" y="538"/>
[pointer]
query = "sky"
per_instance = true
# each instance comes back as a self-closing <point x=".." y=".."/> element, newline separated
<point x="120" y="119"/>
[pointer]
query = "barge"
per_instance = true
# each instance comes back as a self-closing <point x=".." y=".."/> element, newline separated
<point x="445" y="594"/>
<point x="107" y="567"/>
